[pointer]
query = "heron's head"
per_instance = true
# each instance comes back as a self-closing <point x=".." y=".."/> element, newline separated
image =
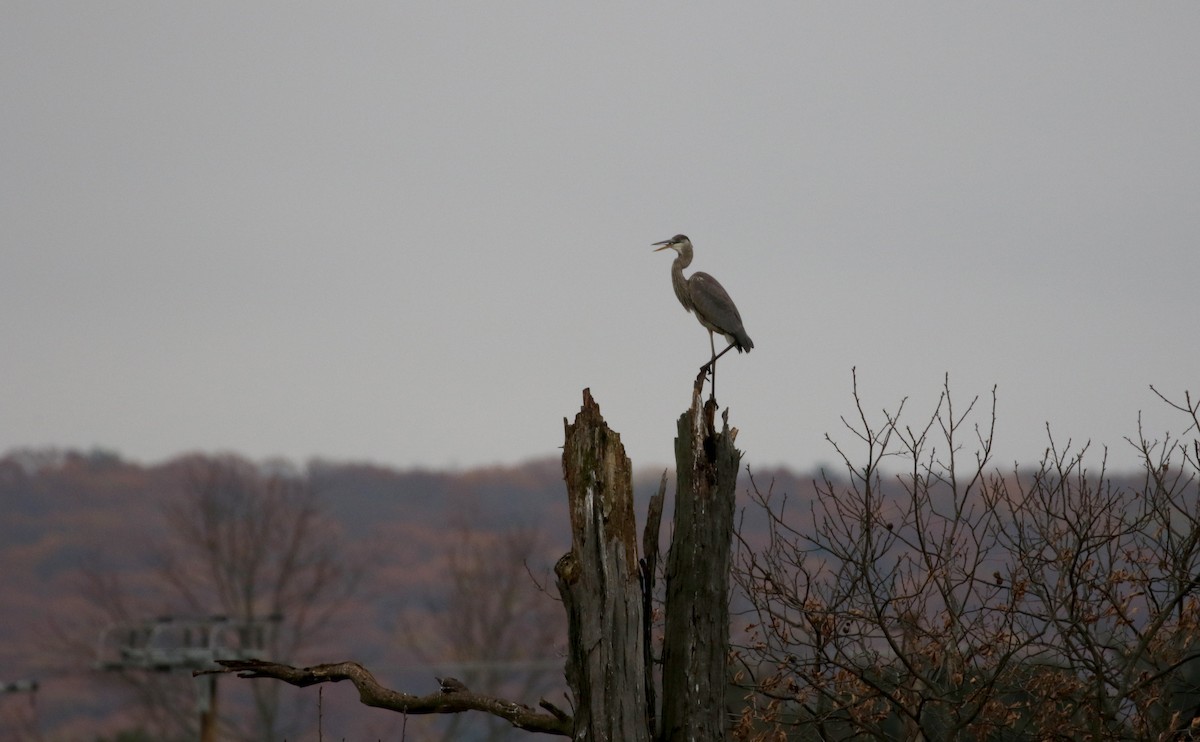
<point x="678" y="243"/>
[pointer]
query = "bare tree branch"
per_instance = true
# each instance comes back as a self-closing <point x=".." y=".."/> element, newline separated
<point x="371" y="693"/>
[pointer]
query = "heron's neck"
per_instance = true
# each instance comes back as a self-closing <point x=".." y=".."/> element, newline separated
<point x="679" y="283"/>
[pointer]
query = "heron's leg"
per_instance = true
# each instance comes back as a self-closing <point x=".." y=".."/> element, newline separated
<point x="712" y="364"/>
<point x="716" y="355"/>
<point x="727" y="349"/>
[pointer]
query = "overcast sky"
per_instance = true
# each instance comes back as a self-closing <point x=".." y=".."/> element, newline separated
<point x="412" y="233"/>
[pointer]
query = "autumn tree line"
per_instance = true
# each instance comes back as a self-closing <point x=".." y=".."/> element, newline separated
<point x="917" y="591"/>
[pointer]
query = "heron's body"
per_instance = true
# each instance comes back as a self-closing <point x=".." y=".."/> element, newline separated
<point x="704" y="297"/>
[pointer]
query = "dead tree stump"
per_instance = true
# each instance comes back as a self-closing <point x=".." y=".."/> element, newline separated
<point x="695" y="673"/>
<point x="600" y="587"/>
<point x="610" y="661"/>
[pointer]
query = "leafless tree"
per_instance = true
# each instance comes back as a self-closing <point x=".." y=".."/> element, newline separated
<point x="247" y="542"/>
<point x="490" y="625"/>
<point x="943" y="600"/>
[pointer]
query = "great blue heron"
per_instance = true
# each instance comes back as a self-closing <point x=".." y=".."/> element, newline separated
<point x="703" y="296"/>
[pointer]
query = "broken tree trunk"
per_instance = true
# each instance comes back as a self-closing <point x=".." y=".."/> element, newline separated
<point x="696" y="632"/>
<point x="599" y="583"/>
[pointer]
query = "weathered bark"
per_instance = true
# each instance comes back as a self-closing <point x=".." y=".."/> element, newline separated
<point x="598" y="581"/>
<point x="649" y="568"/>
<point x="696" y="632"/>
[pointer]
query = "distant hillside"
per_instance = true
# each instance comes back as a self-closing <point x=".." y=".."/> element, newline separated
<point x="74" y="524"/>
<point x="69" y="513"/>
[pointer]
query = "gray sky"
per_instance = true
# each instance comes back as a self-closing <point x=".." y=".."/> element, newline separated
<point x="414" y="232"/>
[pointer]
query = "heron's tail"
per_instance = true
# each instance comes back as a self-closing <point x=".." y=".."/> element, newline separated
<point x="744" y="343"/>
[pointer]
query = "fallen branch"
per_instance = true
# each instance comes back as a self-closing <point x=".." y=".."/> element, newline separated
<point x="448" y="700"/>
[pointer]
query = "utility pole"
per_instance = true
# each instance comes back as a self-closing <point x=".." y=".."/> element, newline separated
<point x="207" y="704"/>
<point x="29" y="686"/>
<point x="174" y="644"/>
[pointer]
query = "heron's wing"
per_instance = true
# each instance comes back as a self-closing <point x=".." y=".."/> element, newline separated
<point x="713" y="305"/>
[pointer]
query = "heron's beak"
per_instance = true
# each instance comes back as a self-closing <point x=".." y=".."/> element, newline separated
<point x="665" y="244"/>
